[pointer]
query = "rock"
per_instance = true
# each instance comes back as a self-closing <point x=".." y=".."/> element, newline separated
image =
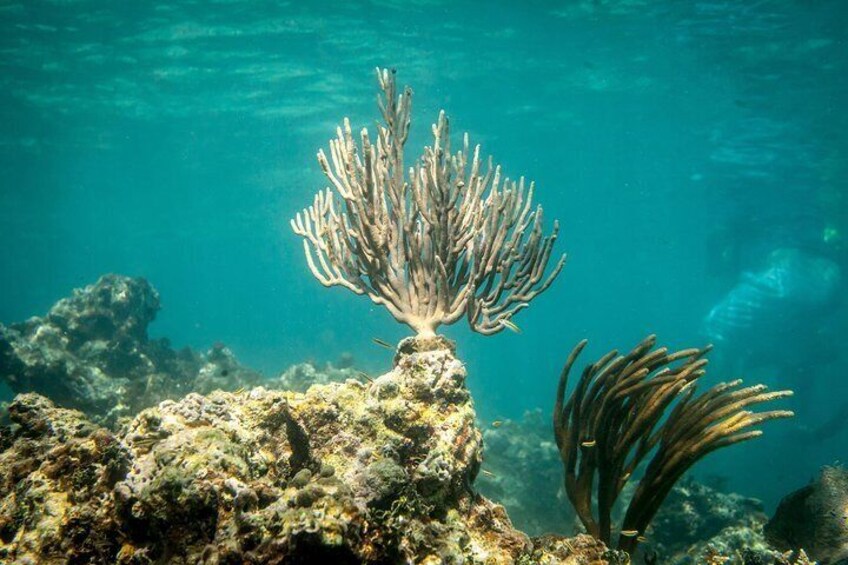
<point x="218" y="369"/>
<point x="91" y="352"/>
<point x="301" y="376"/>
<point x="696" y="521"/>
<point x="815" y="518"/>
<point x="580" y="550"/>
<point x="520" y="461"/>
<point x="739" y="543"/>
<point x="352" y="472"/>
<point x="57" y="472"/>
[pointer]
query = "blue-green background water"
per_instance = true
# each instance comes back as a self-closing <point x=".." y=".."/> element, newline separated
<point x="678" y="143"/>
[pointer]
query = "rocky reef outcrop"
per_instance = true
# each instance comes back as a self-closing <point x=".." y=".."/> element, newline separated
<point x="698" y="523"/>
<point x="815" y="517"/>
<point x="353" y="472"/>
<point x="521" y="461"/>
<point x="92" y="352"/>
<point x="57" y="472"/>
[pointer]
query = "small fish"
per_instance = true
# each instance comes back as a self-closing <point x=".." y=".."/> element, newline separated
<point x="146" y="442"/>
<point x="589" y="443"/>
<point x="239" y="390"/>
<point x="365" y="376"/>
<point x="625" y="477"/>
<point x="508" y="324"/>
<point x="630" y="533"/>
<point x="382" y="343"/>
<point x="487" y="473"/>
<point x="497" y="423"/>
<point x="641" y="539"/>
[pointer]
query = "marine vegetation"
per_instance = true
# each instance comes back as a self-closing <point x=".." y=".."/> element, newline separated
<point x="627" y="407"/>
<point x="447" y="239"/>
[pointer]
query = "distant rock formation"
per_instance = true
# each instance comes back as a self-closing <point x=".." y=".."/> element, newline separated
<point x="697" y="523"/>
<point x="520" y="462"/>
<point x="91" y="352"/>
<point x="301" y="376"/>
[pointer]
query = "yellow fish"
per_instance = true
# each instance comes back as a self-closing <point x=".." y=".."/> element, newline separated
<point x="508" y="324"/>
<point x="630" y="533"/>
<point x="382" y="343"/>
<point x="497" y="423"/>
<point x="589" y="443"/>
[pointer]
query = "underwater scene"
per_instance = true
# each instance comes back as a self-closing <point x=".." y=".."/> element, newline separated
<point x="424" y="282"/>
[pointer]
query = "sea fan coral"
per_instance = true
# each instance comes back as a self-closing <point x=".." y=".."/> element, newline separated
<point x="444" y="240"/>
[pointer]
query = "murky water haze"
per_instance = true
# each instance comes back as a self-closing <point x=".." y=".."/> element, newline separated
<point x="679" y="145"/>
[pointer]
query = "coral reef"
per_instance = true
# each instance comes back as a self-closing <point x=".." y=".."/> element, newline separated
<point x="91" y="352"/>
<point x="697" y="522"/>
<point x="443" y="242"/>
<point x="815" y="518"/>
<point x="375" y="472"/>
<point x="520" y="461"/>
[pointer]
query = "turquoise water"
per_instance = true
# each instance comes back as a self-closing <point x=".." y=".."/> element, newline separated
<point x="680" y="145"/>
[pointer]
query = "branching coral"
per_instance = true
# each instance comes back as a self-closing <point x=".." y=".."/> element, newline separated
<point x="443" y="240"/>
<point x="627" y="407"/>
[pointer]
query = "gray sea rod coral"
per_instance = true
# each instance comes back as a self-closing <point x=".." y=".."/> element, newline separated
<point x="447" y="239"/>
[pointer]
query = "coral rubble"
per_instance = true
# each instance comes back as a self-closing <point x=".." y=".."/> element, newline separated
<point x="815" y="518"/>
<point x="376" y="472"/>
<point x="91" y="352"/>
